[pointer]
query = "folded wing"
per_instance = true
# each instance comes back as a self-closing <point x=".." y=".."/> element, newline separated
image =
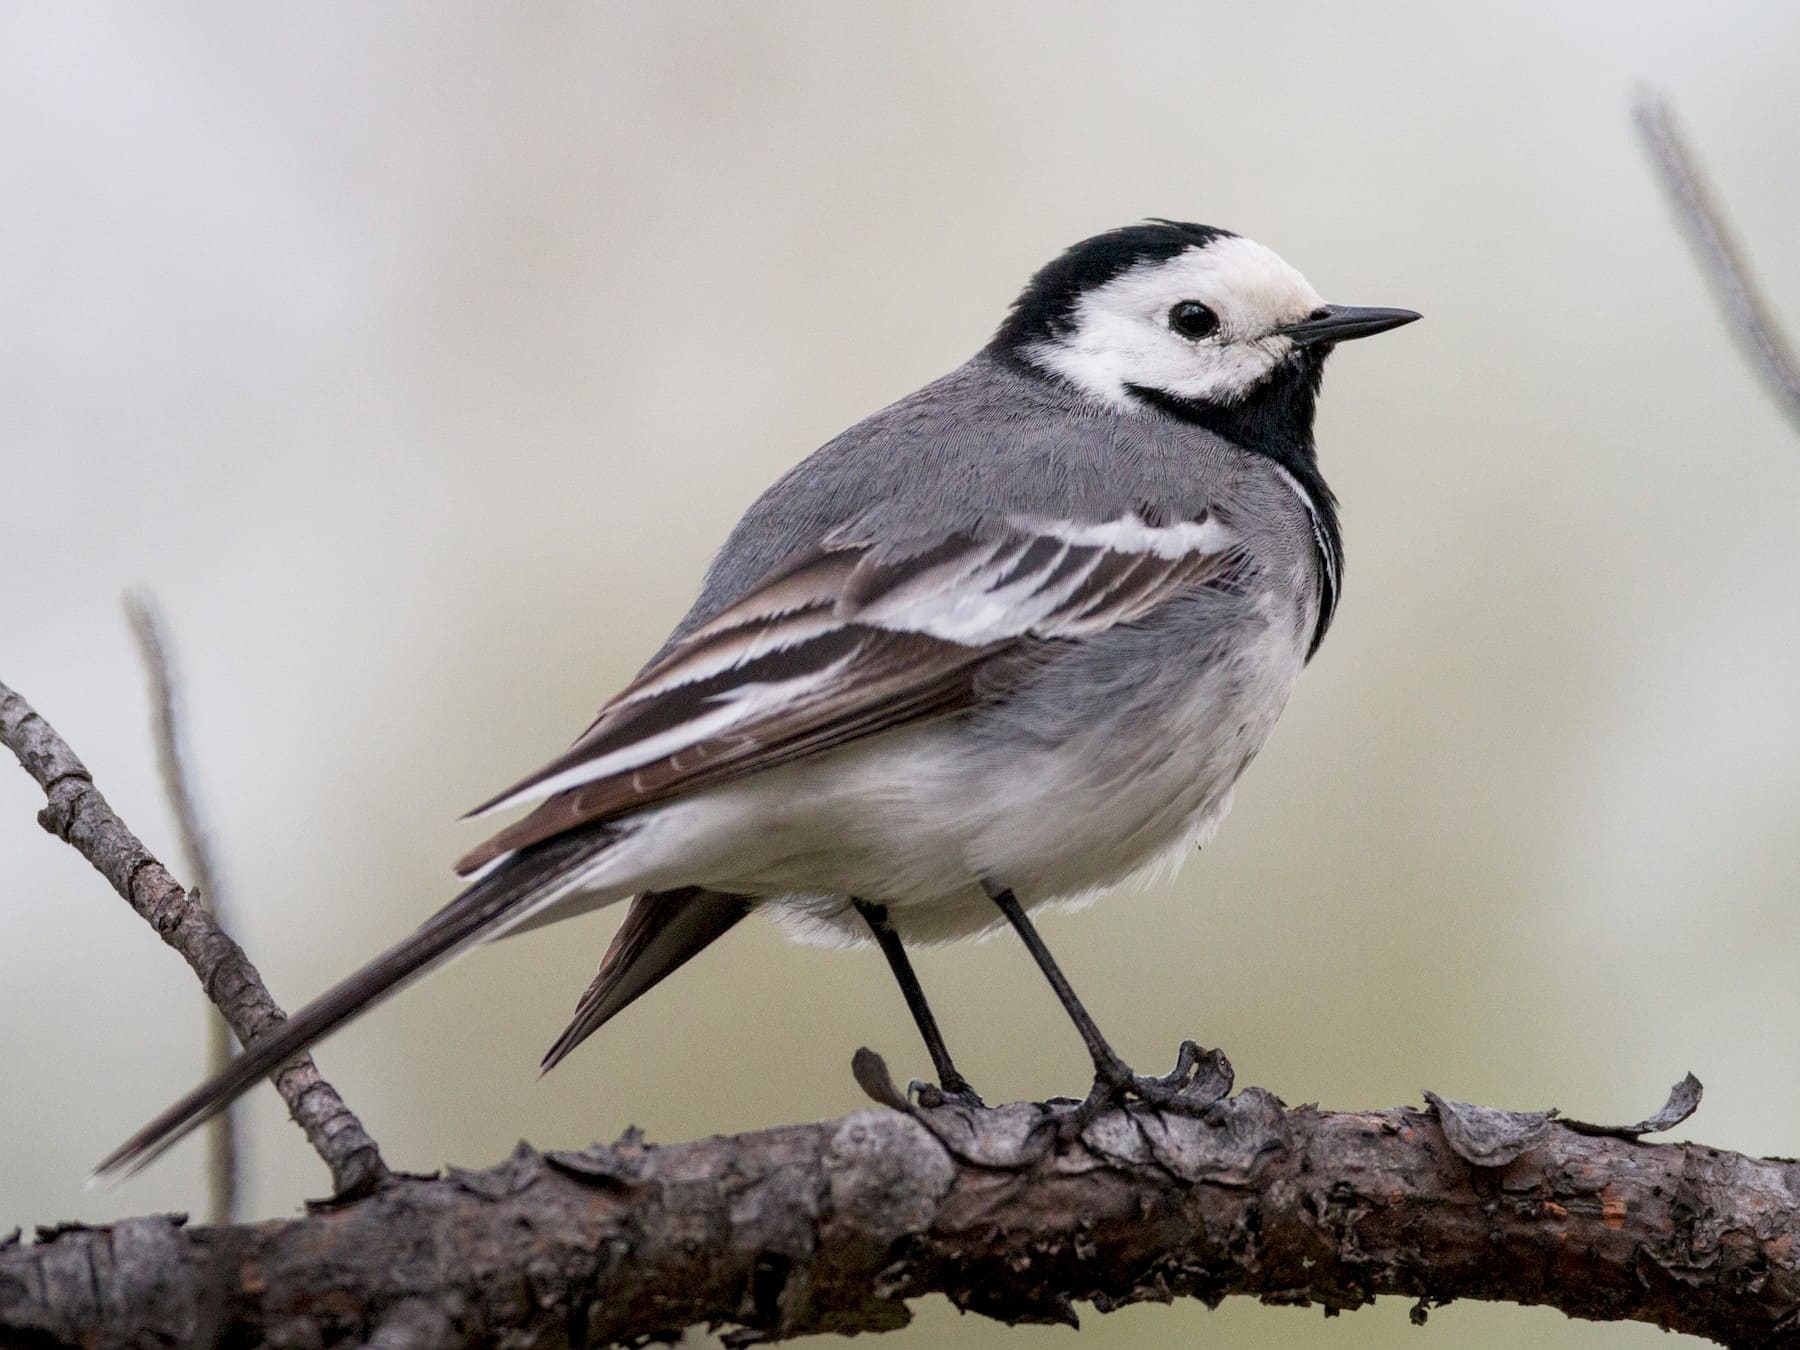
<point x="852" y="639"/>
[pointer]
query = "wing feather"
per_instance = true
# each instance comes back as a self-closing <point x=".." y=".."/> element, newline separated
<point x="850" y="640"/>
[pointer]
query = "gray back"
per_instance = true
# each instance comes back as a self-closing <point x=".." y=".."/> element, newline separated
<point x="987" y="441"/>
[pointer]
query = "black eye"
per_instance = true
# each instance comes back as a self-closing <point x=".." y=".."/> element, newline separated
<point x="1192" y="319"/>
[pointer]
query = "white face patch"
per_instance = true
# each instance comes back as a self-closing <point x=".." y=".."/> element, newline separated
<point x="1120" y="332"/>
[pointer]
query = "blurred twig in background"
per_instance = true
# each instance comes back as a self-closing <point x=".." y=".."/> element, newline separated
<point x="78" y="814"/>
<point x="166" y="715"/>
<point x="1746" y="310"/>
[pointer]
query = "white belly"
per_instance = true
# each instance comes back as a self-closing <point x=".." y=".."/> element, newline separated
<point x="916" y="818"/>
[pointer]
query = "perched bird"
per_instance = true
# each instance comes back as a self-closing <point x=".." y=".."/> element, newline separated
<point x="999" y="646"/>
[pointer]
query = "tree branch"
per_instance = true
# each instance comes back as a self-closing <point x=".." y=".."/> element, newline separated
<point x="830" y="1227"/>
<point x="1747" y="312"/>
<point x="78" y="814"/>
<point x="196" y="847"/>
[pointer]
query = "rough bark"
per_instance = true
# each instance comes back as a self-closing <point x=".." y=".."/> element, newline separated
<point x="830" y="1227"/>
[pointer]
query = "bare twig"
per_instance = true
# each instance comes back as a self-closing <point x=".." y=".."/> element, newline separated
<point x="166" y="715"/>
<point x="78" y="814"/>
<point x="1747" y="312"/>
<point x="831" y="1227"/>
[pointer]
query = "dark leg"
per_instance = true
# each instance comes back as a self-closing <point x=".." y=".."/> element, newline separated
<point x="954" y="1086"/>
<point x="1113" y="1077"/>
<point x="1108" y="1067"/>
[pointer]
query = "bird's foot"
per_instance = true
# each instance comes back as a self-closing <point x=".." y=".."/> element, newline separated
<point x="872" y="1076"/>
<point x="1194" y="1087"/>
<point x="1199" y="1080"/>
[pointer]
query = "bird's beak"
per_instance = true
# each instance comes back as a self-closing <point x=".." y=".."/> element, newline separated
<point x="1340" y="323"/>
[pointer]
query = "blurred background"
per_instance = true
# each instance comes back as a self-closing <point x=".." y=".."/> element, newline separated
<point x="418" y="356"/>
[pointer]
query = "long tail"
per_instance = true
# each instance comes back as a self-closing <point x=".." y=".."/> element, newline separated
<point x="662" y="930"/>
<point x="533" y="877"/>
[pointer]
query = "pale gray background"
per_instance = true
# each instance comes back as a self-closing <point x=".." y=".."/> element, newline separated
<point x="417" y="356"/>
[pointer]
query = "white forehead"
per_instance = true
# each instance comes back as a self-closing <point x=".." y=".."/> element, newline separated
<point x="1248" y="286"/>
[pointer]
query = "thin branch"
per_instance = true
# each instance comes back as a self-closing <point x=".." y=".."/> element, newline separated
<point x="166" y="715"/>
<point x="831" y="1227"/>
<point x="78" y="814"/>
<point x="1747" y="312"/>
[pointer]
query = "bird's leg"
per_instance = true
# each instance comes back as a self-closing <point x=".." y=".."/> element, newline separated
<point x="1108" y="1067"/>
<point x="1113" y="1077"/>
<point x="952" y="1086"/>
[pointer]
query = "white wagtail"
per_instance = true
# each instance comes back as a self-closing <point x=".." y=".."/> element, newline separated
<point x="999" y="646"/>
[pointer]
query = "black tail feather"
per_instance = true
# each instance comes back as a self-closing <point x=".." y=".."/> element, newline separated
<point x="661" y="932"/>
<point x="477" y="909"/>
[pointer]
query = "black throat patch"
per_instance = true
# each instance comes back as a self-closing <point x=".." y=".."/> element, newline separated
<point x="1275" y="419"/>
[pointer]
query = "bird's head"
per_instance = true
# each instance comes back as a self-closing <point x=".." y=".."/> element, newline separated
<point x="1180" y="316"/>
